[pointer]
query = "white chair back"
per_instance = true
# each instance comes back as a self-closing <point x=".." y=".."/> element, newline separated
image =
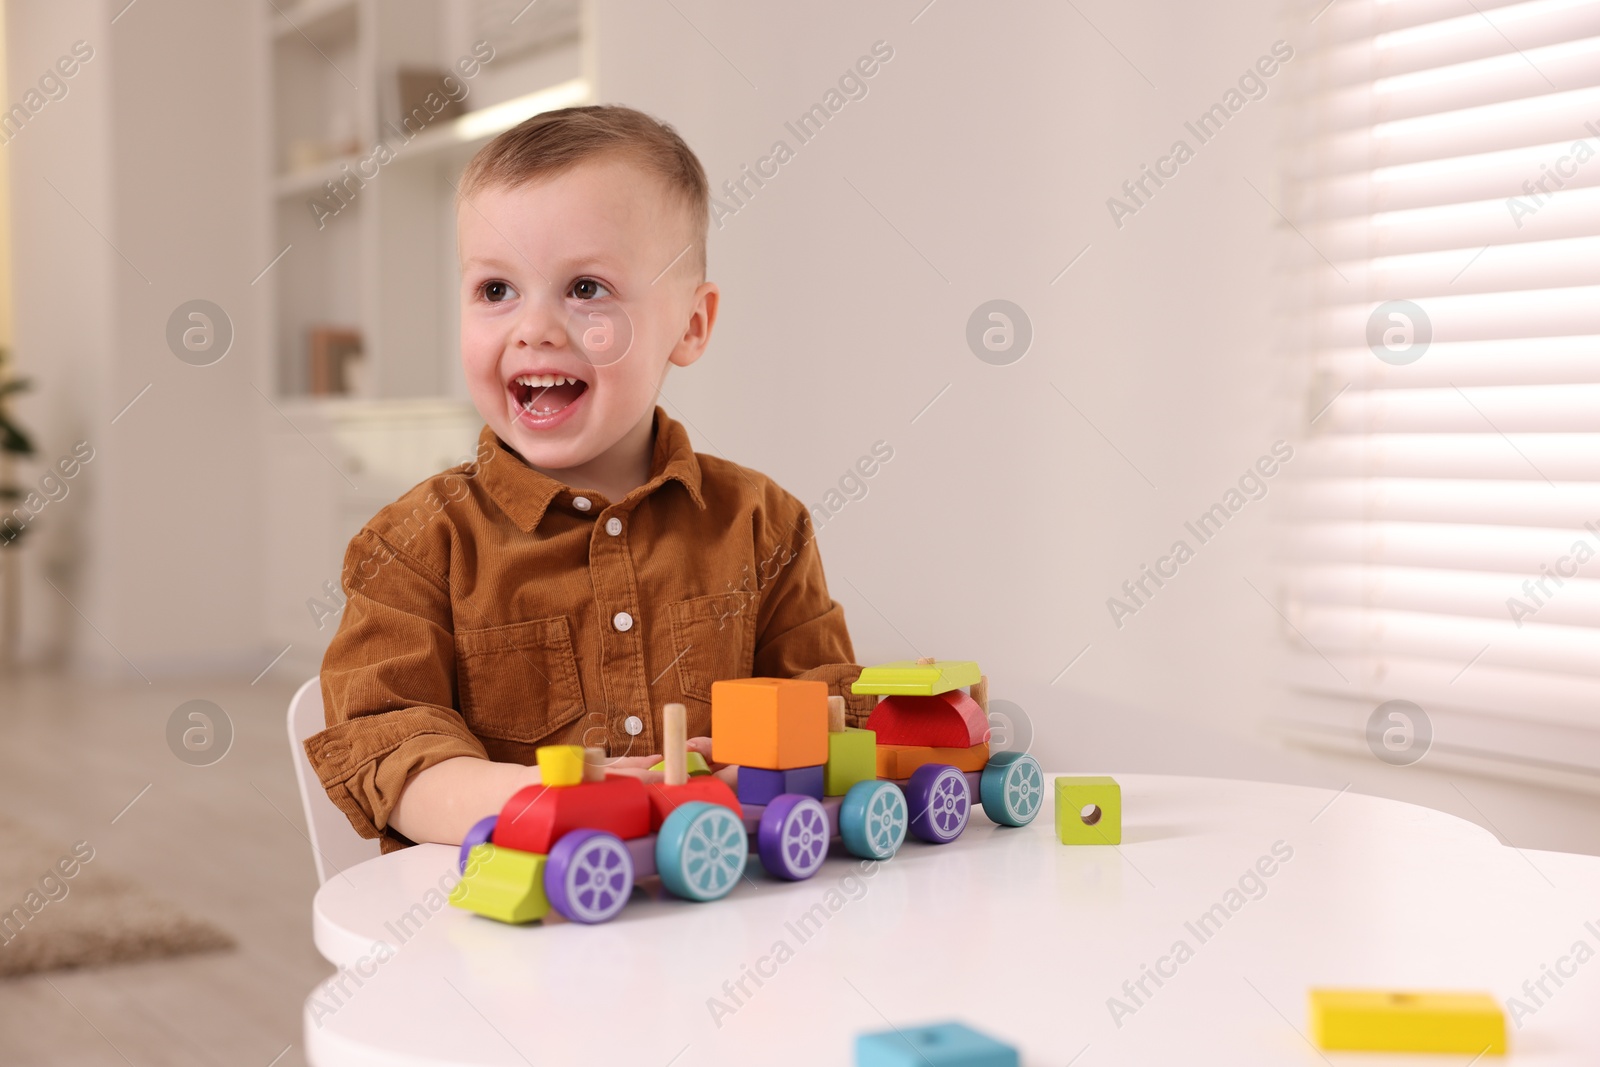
<point x="335" y="845"/>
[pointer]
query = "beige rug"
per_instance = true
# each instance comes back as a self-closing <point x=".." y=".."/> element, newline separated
<point x="49" y="920"/>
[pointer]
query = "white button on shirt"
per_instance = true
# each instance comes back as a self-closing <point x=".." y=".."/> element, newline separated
<point x="622" y="621"/>
<point x="613" y="526"/>
<point x="582" y="503"/>
<point x="633" y="724"/>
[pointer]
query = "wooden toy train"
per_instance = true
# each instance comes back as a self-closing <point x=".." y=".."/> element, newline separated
<point x="577" y="842"/>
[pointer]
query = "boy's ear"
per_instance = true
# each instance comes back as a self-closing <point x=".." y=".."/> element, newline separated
<point x="697" y="333"/>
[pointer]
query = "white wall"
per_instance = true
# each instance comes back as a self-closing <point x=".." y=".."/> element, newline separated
<point x="991" y="142"/>
<point x="64" y="291"/>
<point x="1004" y="521"/>
<point x="156" y="149"/>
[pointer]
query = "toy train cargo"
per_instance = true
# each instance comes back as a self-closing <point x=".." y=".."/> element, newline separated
<point x="578" y="842"/>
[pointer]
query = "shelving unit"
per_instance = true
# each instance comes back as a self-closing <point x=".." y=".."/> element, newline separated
<point x="375" y="253"/>
<point x="370" y="243"/>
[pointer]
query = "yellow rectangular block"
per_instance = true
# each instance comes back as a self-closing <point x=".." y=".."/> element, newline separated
<point x="560" y="764"/>
<point x="773" y="723"/>
<point x="1381" y="1020"/>
<point x="911" y="678"/>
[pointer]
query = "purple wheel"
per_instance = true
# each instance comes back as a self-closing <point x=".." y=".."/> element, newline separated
<point x="940" y="802"/>
<point x="793" y="837"/>
<point x="588" y="876"/>
<point x="478" y="835"/>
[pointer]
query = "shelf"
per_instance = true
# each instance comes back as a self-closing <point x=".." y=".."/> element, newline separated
<point x="318" y="21"/>
<point x="301" y="182"/>
<point x="388" y="269"/>
<point x="481" y="125"/>
<point x="470" y="130"/>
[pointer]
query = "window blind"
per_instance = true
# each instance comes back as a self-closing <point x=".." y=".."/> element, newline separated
<point x="1442" y="529"/>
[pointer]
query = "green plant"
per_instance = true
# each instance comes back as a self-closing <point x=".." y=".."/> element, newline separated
<point x="14" y="443"/>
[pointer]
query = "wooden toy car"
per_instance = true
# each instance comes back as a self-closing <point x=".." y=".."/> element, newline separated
<point x="579" y="841"/>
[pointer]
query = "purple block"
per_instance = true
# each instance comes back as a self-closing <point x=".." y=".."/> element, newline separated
<point x="643" y="851"/>
<point x="757" y="785"/>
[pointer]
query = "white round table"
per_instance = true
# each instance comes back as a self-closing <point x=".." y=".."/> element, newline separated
<point x="1070" y="953"/>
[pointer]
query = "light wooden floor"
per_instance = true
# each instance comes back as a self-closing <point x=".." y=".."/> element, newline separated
<point x="224" y="841"/>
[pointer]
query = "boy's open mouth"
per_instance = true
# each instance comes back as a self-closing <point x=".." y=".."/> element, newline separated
<point x="545" y="394"/>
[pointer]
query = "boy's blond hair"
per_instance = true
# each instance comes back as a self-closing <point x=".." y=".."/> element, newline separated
<point x="555" y="141"/>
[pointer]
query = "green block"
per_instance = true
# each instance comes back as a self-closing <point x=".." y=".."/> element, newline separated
<point x="697" y="764"/>
<point x="852" y="758"/>
<point x="503" y="883"/>
<point x="1103" y="826"/>
<point x="909" y="678"/>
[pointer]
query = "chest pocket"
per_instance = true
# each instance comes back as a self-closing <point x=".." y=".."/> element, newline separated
<point x="713" y="638"/>
<point x="518" y="682"/>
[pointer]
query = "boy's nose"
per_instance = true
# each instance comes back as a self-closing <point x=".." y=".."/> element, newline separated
<point x="543" y="322"/>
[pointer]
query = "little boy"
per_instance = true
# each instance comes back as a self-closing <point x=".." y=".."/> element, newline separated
<point x="588" y="566"/>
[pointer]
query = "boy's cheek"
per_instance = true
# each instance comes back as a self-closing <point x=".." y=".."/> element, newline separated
<point x="479" y="363"/>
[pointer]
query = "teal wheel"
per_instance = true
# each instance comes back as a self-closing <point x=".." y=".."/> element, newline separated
<point x="701" y="851"/>
<point x="873" y="819"/>
<point x="1012" y="788"/>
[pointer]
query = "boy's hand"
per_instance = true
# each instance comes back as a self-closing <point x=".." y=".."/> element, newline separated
<point x="702" y="745"/>
<point x="621" y="763"/>
<point x="635" y="767"/>
<point x="643" y="774"/>
<point x="728" y="772"/>
<point x="639" y="766"/>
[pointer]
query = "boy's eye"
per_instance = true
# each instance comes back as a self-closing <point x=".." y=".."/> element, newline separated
<point x="589" y="289"/>
<point x="496" y="292"/>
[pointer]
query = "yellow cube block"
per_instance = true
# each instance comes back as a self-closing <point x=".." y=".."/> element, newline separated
<point x="560" y="764"/>
<point x="1088" y="810"/>
<point x="852" y="758"/>
<point x="1379" y="1020"/>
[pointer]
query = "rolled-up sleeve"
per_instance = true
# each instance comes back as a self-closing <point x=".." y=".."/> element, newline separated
<point x="801" y="631"/>
<point x="388" y="686"/>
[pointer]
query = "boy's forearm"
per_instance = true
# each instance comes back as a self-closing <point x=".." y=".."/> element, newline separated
<point x="441" y="803"/>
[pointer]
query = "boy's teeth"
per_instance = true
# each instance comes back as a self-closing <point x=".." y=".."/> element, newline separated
<point x="545" y="381"/>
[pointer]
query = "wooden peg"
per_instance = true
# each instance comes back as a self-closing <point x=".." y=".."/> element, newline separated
<point x="594" y="768"/>
<point x="980" y="693"/>
<point x="836" y="715"/>
<point x="675" y="738"/>
<point x="925" y="661"/>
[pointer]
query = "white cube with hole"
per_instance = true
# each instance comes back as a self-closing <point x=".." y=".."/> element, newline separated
<point x="1088" y="810"/>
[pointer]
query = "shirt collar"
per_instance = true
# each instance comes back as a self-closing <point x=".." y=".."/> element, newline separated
<point x="525" y="494"/>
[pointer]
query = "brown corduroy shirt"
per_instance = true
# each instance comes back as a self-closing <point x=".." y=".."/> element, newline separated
<point x="493" y="609"/>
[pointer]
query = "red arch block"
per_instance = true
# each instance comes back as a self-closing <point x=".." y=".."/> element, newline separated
<point x="947" y="720"/>
<point x="664" y="798"/>
<point x="538" y="816"/>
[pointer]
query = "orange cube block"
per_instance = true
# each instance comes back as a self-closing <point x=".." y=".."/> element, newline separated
<point x="773" y="723"/>
<point x="900" y="761"/>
